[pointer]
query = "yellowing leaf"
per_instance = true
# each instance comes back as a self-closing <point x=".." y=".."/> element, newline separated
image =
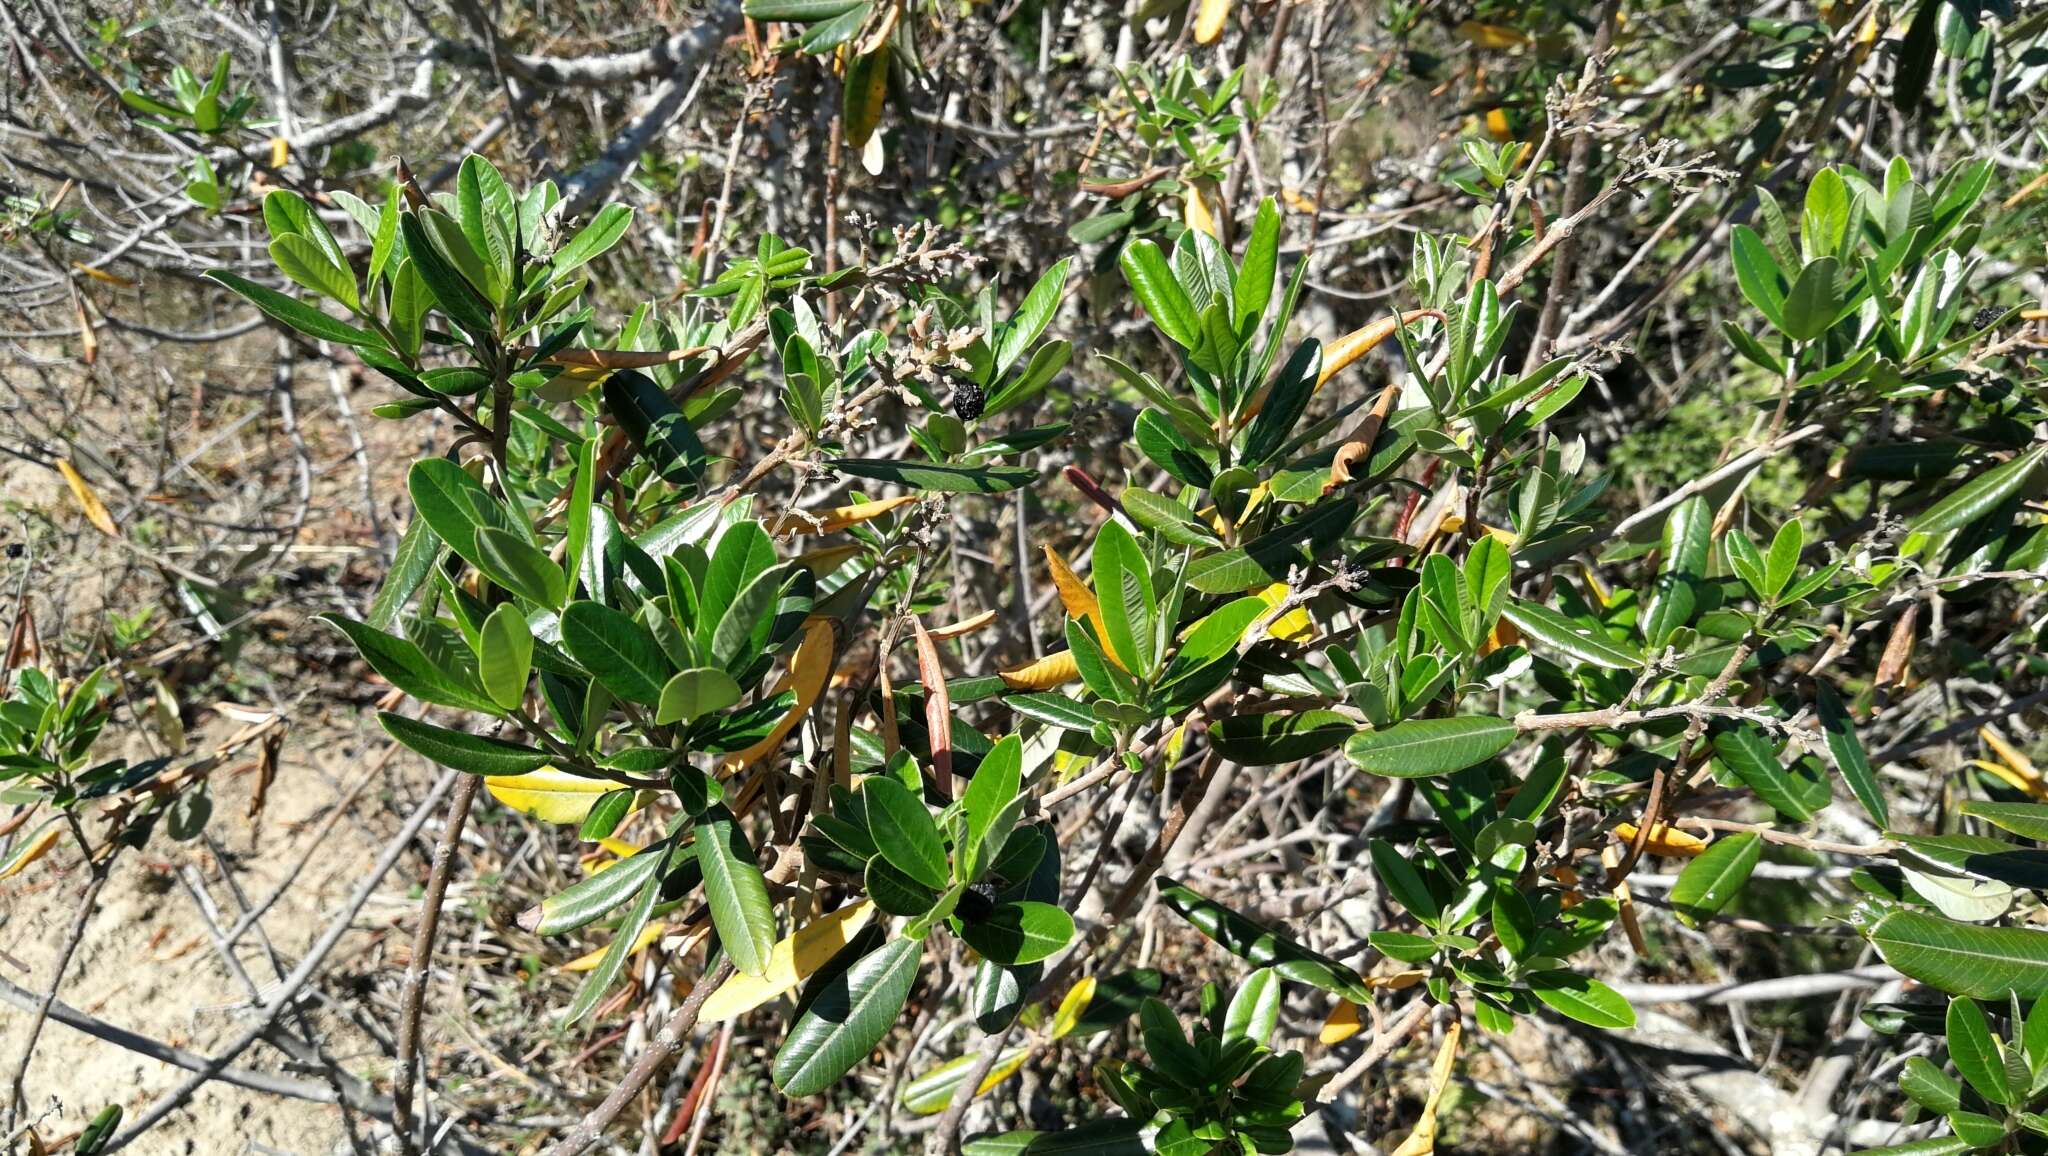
<point x="790" y="962"/>
<point x="1341" y="1024"/>
<point x="825" y="559"/>
<point x="1398" y="981"/>
<point x="648" y="934"/>
<point x="1209" y="20"/>
<point x="1048" y="672"/>
<point x="1664" y="840"/>
<point x="2011" y="754"/>
<point x="95" y="510"/>
<point x="101" y="275"/>
<point x="31" y="849"/>
<point x="808" y="672"/>
<point x="1422" y="1141"/>
<point x="1070" y="1009"/>
<point x="836" y="518"/>
<point x="550" y="795"/>
<point x="1074" y="593"/>
<point x="1497" y="125"/>
<point x="280" y="152"/>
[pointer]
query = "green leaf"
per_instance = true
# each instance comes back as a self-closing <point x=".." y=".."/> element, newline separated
<point x="1851" y="760"/>
<point x="617" y="651"/>
<point x="1053" y="710"/>
<point x="1254" y="286"/>
<point x="1929" y="1086"/>
<point x="1261" y="945"/>
<point x="1980" y="495"/>
<point x="1686" y="540"/>
<point x="1152" y="282"/>
<point x="1753" y="758"/>
<point x="1403" y="882"/>
<point x="1575" y="640"/>
<point x="904" y="832"/>
<point x="450" y="290"/>
<point x="987" y="804"/>
<point x="1032" y="316"/>
<point x="895" y="892"/>
<point x="1019" y="932"/>
<point x="614" y="959"/>
<point x="1254" y="1009"/>
<point x="592" y="240"/>
<point x="1269" y="557"/>
<point x="798" y="11"/>
<point x="302" y="261"/>
<point x="2027" y="820"/>
<point x="1111" y="1137"/>
<point x="849" y="1016"/>
<point x="1783" y="559"/>
<point x="1758" y="275"/>
<point x="657" y="426"/>
<point x="1217" y="633"/>
<point x="1711" y="880"/>
<point x="287" y="214"/>
<point x="1963" y="959"/>
<point x="1422" y="747"/>
<point x="505" y="656"/>
<point x="418" y="549"/>
<point x="694" y="693"/>
<point x="404" y="665"/>
<point x="455" y="505"/>
<point x="1168" y="518"/>
<point x="515" y="564"/>
<point x="584" y="902"/>
<point x="296" y="314"/>
<point x="1586" y="1000"/>
<point x="1811" y="305"/>
<point x="735" y="891"/>
<point x="932" y="476"/>
<point x="1975" y="1054"/>
<point x="475" y="754"/>
<point x="1123" y="585"/>
<point x="1271" y="738"/>
<point x="1288" y="399"/>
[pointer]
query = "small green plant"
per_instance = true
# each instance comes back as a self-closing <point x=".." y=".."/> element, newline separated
<point x="1997" y="1104"/>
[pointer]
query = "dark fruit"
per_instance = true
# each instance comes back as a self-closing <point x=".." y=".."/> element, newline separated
<point x="968" y="400"/>
<point x="1986" y="316"/>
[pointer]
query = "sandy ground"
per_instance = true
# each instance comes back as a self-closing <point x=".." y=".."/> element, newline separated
<point x="148" y="963"/>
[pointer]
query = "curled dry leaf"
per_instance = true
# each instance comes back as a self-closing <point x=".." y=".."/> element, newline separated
<point x="1422" y="1140"/>
<point x="965" y="626"/>
<point x="938" y="708"/>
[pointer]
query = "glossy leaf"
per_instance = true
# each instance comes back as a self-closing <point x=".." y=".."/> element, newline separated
<point x="1423" y="747"/>
<point x="847" y="1019"/>
<point x="476" y="754"/>
<point x="1713" y="878"/>
<point x="735" y="891"/>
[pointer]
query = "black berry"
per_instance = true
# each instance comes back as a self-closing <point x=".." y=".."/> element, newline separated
<point x="1986" y="316"/>
<point x="968" y="400"/>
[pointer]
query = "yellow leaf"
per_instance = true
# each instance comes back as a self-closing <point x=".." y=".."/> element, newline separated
<point x="103" y="276"/>
<point x="1293" y="626"/>
<point x="648" y="934"/>
<point x="790" y="962"/>
<point x="1498" y="126"/>
<point x="95" y="510"/>
<point x="1664" y="840"/>
<point x="1625" y="902"/>
<point x="1422" y="1141"/>
<point x="966" y="625"/>
<point x="621" y="851"/>
<point x="1070" y="1009"/>
<point x="1398" y="981"/>
<point x="280" y="152"/>
<point x="1490" y="36"/>
<point x="1209" y="20"/>
<point x="2018" y="782"/>
<point x="836" y="518"/>
<point x="1341" y="1024"/>
<point x="2006" y="751"/>
<point x="1074" y="593"/>
<point x="33" y="848"/>
<point x="809" y="670"/>
<point x="1196" y="214"/>
<point x="1338" y="355"/>
<point x="1048" y="672"/>
<point x="550" y="795"/>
